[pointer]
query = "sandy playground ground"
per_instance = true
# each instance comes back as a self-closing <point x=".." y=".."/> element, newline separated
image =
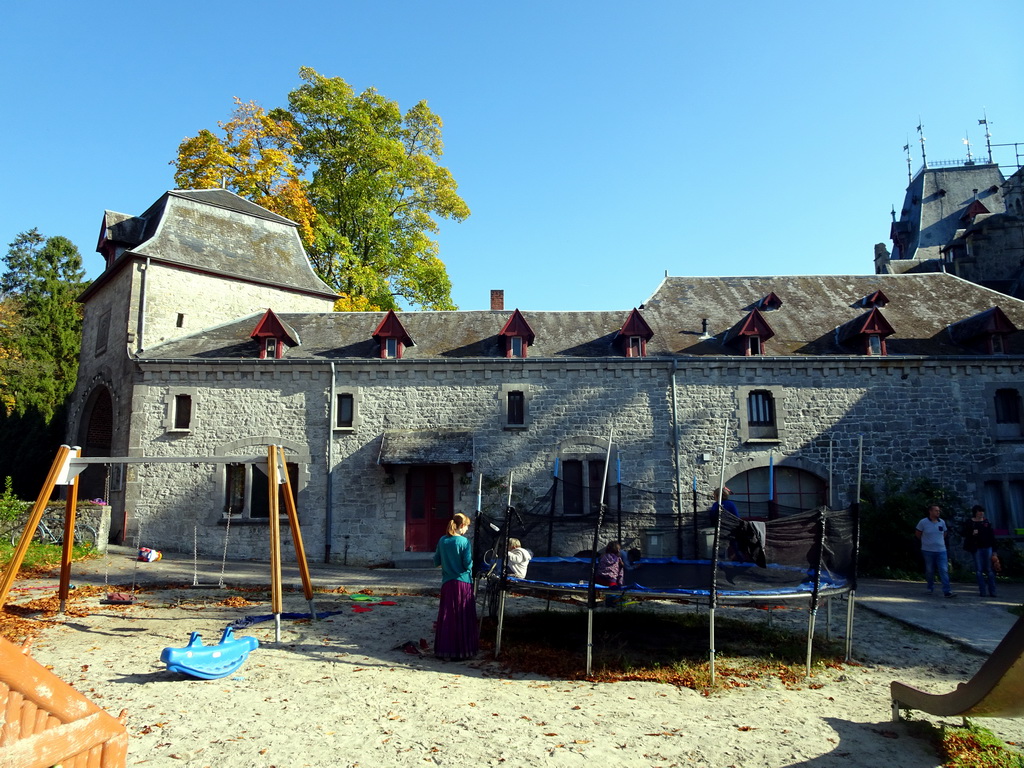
<point x="343" y="692"/>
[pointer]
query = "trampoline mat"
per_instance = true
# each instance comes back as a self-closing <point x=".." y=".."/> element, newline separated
<point x="671" y="576"/>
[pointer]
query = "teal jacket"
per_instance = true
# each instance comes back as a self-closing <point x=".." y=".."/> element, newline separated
<point x="455" y="557"/>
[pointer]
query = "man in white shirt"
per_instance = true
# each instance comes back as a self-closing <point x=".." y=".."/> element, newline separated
<point x="931" y="532"/>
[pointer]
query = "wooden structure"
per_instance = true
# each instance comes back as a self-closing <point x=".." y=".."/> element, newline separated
<point x="69" y="463"/>
<point x="47" y="722"/>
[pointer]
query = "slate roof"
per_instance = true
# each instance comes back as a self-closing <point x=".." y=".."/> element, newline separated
<point x="426" y="447"/>
<point x="216" y="231"/>
<point x="920" y="309"/>
<point x="936" y="200"/>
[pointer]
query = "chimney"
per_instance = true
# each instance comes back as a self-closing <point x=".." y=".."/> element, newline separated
<point x="497" y="300"/>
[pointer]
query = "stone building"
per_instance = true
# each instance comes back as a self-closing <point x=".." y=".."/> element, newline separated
<point x="961" y="218"/>
<point x="208" y="335"/>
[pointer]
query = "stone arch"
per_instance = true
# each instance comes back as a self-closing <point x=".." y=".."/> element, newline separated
<point x="797" y="484"/>
<point x="96" y="437"/>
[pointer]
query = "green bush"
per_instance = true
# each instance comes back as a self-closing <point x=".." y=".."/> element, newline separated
<point x="11" y="507"/>
<point x="889" y="514"/>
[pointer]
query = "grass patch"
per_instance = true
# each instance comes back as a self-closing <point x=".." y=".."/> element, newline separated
<point x="969" y="746"/>
<point x="42" y="558"/>
<point x="658" y="647"/>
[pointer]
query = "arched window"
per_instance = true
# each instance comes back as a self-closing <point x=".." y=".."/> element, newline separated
<point x="791" y="488"/>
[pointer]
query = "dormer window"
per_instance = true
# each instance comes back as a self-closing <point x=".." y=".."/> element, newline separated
<point x="984" y="333"/>
<point x="273" y="336"/>
<point x="634" y="334"/>
<point x="872" y="300"/>
<point x="769" y="302"/>
<point x="749" y="334"/>
<point x="866" y="334"/>
<point x="392" y="337"/>
<point x="516" y="336"/>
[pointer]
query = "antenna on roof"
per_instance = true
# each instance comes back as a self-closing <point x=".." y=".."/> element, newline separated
<point x="906" y="148"/>
<point x="967" y="141"/>
<point x="920" y="130"/>
<point x="988" y="134"/>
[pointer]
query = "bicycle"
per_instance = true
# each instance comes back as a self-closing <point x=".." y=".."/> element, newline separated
<point x="53" y="533"/>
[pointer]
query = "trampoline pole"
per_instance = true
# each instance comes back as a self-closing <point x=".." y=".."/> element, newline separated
<point x="828" y="618"/>
<point x="810" y="638"/>
<point x="849" y="624"/>
<point x="590" y="636"/>
<point x="501" y="621"/>
<point x="711" y="641"/>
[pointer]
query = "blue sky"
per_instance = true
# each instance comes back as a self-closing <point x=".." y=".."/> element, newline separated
<point x="598" y="144"/>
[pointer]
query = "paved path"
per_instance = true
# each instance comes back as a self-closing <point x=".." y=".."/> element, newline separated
<point x="975" y="623"/>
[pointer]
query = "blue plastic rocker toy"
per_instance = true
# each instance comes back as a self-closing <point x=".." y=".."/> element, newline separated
<point x="210" y="662"/>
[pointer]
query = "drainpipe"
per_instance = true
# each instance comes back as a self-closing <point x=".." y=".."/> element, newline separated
<point x="329" y="516"/>
<point x="141" y="325"/>
<point x="679" y="469"/>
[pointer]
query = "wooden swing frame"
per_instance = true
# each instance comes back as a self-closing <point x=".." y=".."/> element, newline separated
<point x="69" y="463"/>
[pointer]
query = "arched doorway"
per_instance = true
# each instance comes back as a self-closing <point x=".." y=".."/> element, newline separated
<point x="95" y="438"/>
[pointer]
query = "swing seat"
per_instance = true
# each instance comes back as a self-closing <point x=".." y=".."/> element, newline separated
<point x="210" y="662"/>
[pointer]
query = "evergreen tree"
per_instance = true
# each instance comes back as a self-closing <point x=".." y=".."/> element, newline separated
<point x="42" y="338"/>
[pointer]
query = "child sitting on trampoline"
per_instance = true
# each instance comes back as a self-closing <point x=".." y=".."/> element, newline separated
<point x="611" y="571"/>
<point x="519" y="558"/>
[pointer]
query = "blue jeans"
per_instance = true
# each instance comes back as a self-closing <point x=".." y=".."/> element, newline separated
<point x="933" y="561"/>
<point x="983" y="567"/>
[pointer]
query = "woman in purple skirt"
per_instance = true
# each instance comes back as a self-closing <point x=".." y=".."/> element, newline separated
<point x="457" y="636"/>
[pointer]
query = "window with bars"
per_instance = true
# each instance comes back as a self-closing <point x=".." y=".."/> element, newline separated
<point x="760" y="422"/>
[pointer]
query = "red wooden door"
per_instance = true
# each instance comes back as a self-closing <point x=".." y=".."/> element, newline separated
<point x="428" y="506"/>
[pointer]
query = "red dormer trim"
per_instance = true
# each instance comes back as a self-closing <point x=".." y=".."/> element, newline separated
<point x="517" y="335"/>
<point x="392" y="336"/>
<point x="985" y="331"/>
<point x="750" y="334"/>
<point x="769" y="302"/>
<point x="868" y="332"/>
<point x="976" y="208"/>
<point x="876" y="299"/>
<point x="272" y="334"/>
<point x="634" y="335"/>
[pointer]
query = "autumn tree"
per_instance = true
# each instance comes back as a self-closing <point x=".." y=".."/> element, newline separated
<point x="361" y="178"/>
<point x="41" y="336"/>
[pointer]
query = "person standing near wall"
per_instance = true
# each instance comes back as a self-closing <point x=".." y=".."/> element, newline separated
<point x="457" y="635"/>
<point x="979" y="539"/>
<point x="931" y="532"/>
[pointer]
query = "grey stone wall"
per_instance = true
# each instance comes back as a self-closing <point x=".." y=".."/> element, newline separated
<point x="916" y="418"/>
